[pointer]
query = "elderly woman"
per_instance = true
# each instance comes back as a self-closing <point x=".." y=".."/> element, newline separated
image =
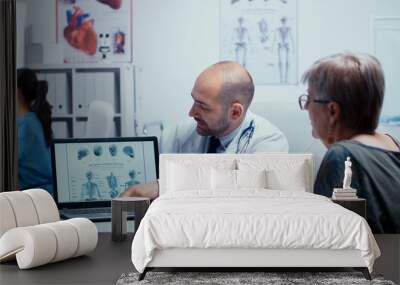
<point x="344" y="100"/>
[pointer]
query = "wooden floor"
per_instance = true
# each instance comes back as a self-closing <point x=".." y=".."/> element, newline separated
<point x="389" y="263"/>
<point x="103" y="266"/>
<point x="110" y="259"/>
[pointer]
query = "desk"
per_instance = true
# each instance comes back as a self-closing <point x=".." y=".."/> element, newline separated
<point x="102" y="266"/>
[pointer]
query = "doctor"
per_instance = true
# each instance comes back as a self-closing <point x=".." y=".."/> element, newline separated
<point x="222" y="122"/>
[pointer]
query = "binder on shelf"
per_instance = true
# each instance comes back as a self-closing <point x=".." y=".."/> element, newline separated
<point x="80" y="104"/>
<point x="51" y="93"/>
<point x="104" y="87"/>
<point x="91" y="88"/>
<point x="61" y="108"/>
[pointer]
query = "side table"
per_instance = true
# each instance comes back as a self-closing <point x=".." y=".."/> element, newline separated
<point x="357" y="205"/>
<point x="119" y="208"/>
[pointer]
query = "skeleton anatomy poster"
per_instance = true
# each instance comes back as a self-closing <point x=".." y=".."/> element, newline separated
<point x="262" y="36"/>
<point x="94" y="30"/>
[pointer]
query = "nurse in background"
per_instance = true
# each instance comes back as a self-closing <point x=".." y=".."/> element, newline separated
<point x="34" y="132"/>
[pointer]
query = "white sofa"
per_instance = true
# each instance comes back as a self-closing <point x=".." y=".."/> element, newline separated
<point x="31" y="231"/>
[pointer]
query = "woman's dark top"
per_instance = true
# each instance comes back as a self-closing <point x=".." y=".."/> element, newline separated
<point x="376" y="176"/>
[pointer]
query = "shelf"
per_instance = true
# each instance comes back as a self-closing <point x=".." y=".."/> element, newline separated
<point x="62" y="117"/>
<point x="84" y="118"/>
<point x="72" y="87"/>
<point x="71" y="66"/>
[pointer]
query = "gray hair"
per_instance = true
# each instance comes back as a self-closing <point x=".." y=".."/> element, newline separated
<point x="356" y="82"/>
<point x="237" y="84"/>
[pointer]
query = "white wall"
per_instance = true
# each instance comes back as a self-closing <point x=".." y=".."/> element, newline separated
<point x="174" y="40"/>
<point x="21" y="24"/>
<point x="42" y="18"/>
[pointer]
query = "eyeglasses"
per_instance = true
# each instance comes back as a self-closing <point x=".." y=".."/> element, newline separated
<point x="304" y="100"/>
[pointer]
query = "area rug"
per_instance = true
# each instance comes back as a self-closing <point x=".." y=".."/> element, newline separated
<point x="229" y="278"/>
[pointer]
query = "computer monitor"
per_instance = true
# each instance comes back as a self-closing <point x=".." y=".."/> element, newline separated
<point x="90" y="172"/>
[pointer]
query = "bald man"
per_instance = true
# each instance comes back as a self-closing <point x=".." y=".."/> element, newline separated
<point x="222" y="122"/>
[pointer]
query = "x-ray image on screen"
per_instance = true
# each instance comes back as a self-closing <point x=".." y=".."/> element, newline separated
<point x="82" y="153"/>
<point x="113" y="150"/>
<point x="90" y="190"/>
<point x="132" y="179"/>
<point x="128" y="150"/>
<point x="98" y="150"/>
<point x="102" y="171"/>
<point x="113" y="185"/>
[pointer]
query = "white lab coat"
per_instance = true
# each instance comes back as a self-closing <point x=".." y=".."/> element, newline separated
<point x="185" y="139"/>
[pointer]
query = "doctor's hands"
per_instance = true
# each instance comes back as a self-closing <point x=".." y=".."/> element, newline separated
<point x="149" y="190"/>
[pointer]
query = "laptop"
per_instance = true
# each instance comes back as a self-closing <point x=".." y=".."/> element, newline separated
<point x="89" y="173"/>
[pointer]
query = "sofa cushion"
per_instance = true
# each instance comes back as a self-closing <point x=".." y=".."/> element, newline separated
<point x="41" y="244"/>
<point x="26" y="208"/>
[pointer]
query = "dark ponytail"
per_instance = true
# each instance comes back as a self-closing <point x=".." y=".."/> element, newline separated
<point x="34" y="93"/>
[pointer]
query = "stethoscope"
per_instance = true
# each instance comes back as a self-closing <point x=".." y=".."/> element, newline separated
<point x="245" y="137"/>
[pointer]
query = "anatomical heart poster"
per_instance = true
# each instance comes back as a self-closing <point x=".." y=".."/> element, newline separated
<point x="95" y="30"/>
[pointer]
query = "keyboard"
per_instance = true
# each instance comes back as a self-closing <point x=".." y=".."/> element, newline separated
<point x="90" y="213"/>
<point x="88" y="210"/>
